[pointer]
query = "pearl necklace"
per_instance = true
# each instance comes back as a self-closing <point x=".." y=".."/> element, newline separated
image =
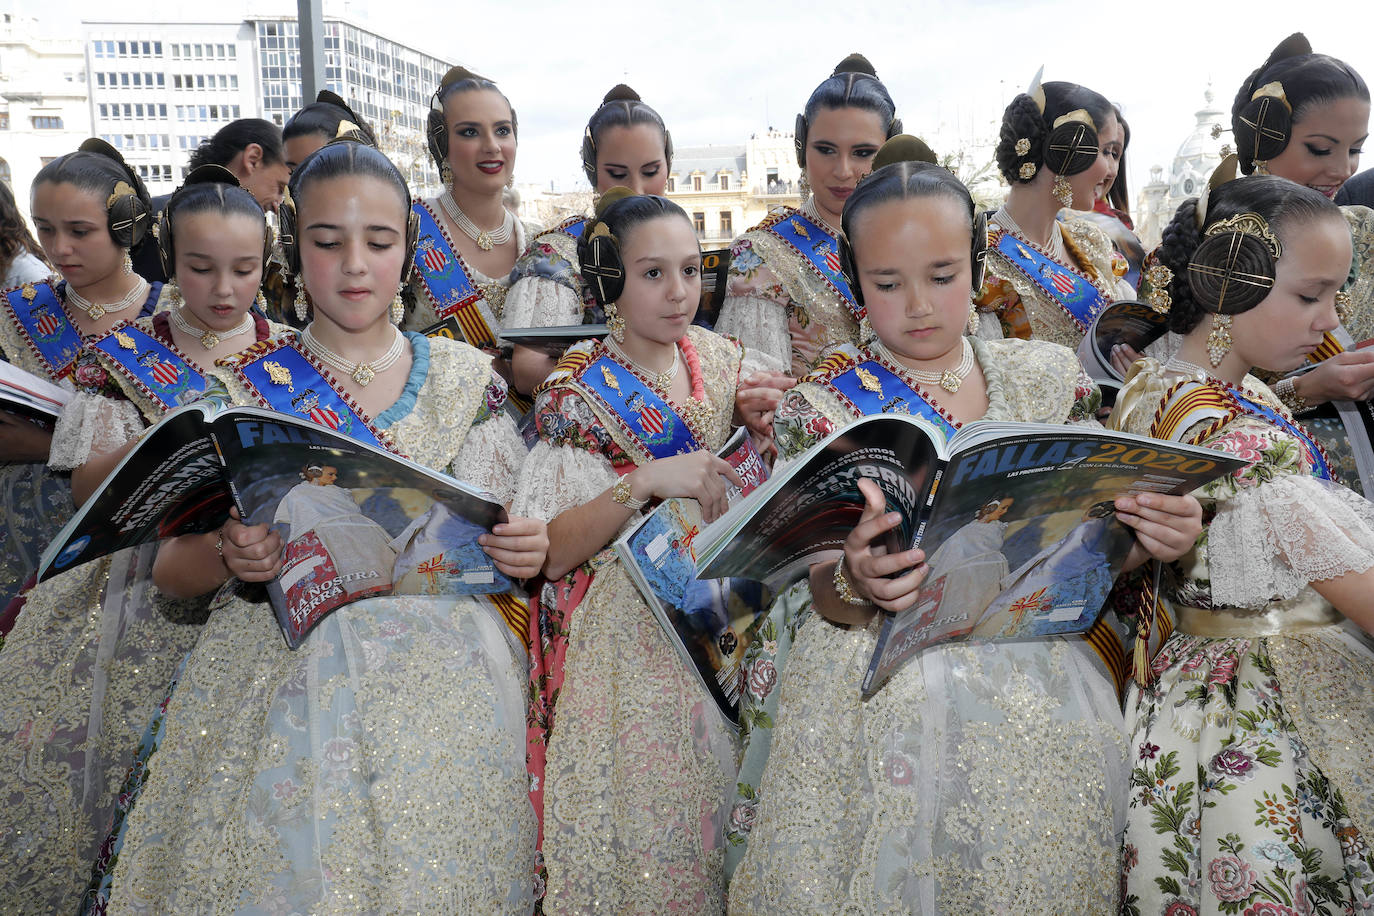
<point x="661" y="381"/>
<point x="813" y="213"/>
<point x="361" y="372"/>
<point x="948" y="379"/>
<point x="95" y="311"/>
<point x="209" y="339"/>
<point x="1055" y="249"/>
<point x="485" y="240"/>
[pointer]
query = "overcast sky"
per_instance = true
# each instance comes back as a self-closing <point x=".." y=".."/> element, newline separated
<point x="718" y="71"/>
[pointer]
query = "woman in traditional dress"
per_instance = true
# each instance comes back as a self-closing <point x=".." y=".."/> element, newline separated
<point x="980" y="778"/>
<point x="1048" y="278"/>
<point x="91" y="654"/>
<point x="90" y="210"/>
<point x="380" y="766"/>
<point x="351" y="539"/>
<point x="787" y="297"/>
<point x="631" y="761"/>
<point x="1305" y="117"/>
<point x="469" y="240"/>
<point x="1250" y="743"/>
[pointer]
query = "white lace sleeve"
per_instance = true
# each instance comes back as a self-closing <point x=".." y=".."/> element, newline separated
<point x="539" y="302"/>
<point x="1164" y="349"/>
<point x="90" y="423"/>
<point x="558" y="477"/>
<point x="1269" y="541"/>
<point x="989" y="326"/>
<point x="759" y="324"/>
<point x="491" y="457"/>
<point x="755" y="360"/>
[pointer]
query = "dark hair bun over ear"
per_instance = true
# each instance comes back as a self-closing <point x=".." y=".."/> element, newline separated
<point x="1071" y="146"/>
<point x="1233" y="269"/>
<point x="599" y="251"/>
<point x="129" y="208"/>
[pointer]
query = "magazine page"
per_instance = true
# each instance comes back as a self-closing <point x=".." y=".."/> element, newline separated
<point x="715" y="264"/>
<point x="1127" y="321"/>
<point x="710" y="621"/>
<point x="171" y="483"/>
<point x="356" y="521"/>
<point x="1346" y="430"/>
<point x="1023" y="540"/>
<point x="29" y="396"/>
<point x="806" y="510"/>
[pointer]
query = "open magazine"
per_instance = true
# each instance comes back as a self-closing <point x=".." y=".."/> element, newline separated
<point x="1127" y="321"/>
<point x="715" y="264"/>
<point x="27" y="395"/>
<point x="355" y="520"/>
<point x="1016" y="520"/>
<point x="709" y="621"/>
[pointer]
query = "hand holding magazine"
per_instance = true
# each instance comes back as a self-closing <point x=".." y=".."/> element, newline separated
<point x="356" y="520"/>
<point x="1015" y="519"/>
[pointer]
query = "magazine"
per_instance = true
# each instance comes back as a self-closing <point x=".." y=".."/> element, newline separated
<point x="1127" y="321"/>
<point x="710" y="621"/>
<point x="355" y="520"/>
<point x="715" y="264"/>
<point x="1016" y="520"/>
<point x="29" y="396"/>
<point x="1346" y="430"/>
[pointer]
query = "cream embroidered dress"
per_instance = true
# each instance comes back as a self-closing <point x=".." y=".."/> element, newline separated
<point x="1024" y="307"/>
<point x="1251" y="791"/>
<point x="983" y="778"/>
<point x="638" y="763"/>
<point x="546" y="288"/>
<point x="780" y="305"/>
<point x="85" y="666"/>
<point x="378" y="768"/>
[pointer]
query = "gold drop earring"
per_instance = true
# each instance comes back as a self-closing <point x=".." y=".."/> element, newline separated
<point x="1219" y="340"/>
<point x="1062" y="191"/>
<point x="302" y="304"/>
<point x="615" y="323"/>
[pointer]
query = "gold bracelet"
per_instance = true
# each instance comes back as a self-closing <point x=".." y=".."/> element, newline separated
<point x="622" y="493"/>
<point x="843" y="588"/>
<point x="1288" y="394"/>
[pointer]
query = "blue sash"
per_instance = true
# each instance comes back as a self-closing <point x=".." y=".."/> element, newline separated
<point x="45" y="326"/>
<point x="818" y="249"/>
<point x="872" y="388"/>
<point x="1320" y="468"/>
<point x="446" y="280"/>
<point x="1074" y="293"/>
<point x="157" y="370"/>
<point x="641" y="413"/>
<point x="290" y="382"/>
<point x="573" y="227"/>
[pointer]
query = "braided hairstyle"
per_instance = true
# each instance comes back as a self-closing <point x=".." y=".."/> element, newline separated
<point x="599" y="249"/>
<point x="322" y="117"/>
<point x="1281" y="203"/>
<point x="455" y="81"/>
<point x="1023" y="120"/>
<point x="622" y="107"/>
<point x="235" y="137"/>
<point x="1309" y="81"/>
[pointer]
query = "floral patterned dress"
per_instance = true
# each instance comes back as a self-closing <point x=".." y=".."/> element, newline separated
<point x="1024" y="308"/>
<point x="380" y="766"/>
<point x="546" y="290"/>
<point x="86" y="663"/>
<point x="631" y="761"/>
<point x="1251" y="791"/>
<point x="982" y="778"/>
<point x="778" y="304"/>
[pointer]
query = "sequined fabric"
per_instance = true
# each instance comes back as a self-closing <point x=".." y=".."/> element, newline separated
<point x="981" y="778"/>
<point x="379" y="768"/>
<point x="1360" y="324"/>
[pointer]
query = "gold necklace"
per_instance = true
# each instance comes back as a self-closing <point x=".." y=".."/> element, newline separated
<point x="209" y="339"/>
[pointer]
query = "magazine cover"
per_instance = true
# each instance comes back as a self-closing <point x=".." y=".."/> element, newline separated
<point x="352" y="526"/>
<point x="710" y="621"/>
<point x="1126" y="321"/>
<point x="29" y="396"/>
<point x="715" y="263"/>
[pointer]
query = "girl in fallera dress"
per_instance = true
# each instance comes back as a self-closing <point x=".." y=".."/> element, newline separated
<point x="380" y="766"/>
<point x="1250" y="738"/>
<point x="469" y="241"/>
<point x="980" y="778"/>
<point x="1047" y="278"/>
<point x="787" y="297"/>
<point x="91" y="654"/>
<point x="89" y="211"/>
<point x="631" y="762"/>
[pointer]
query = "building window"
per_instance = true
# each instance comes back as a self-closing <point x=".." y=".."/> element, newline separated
<point x="724" y="182"/>
<point x="696" y="182"/>
<point x="727" y="224"/>
<point x="699" y="222"/>
<point x="46" y="122"/>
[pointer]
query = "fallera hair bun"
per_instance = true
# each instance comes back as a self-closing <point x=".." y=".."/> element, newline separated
<point x="1292" y="46"/>
<point x="855" y="63"/>
<point x="616" y="193"/>
<point x="621" y="93"/>
<point x="904" y="148"/>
